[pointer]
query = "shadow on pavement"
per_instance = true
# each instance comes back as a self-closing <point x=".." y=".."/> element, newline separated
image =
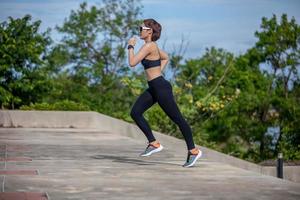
<point x="125" y="159"/>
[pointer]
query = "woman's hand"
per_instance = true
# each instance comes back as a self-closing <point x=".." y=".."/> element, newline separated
<point x="132" y="41"/>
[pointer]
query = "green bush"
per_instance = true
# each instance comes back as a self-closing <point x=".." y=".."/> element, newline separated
<point x="60" y="105"/>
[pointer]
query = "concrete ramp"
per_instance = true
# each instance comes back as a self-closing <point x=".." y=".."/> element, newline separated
<point x="91" y="163"/>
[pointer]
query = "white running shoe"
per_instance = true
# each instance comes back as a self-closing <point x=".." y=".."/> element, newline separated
<point x="192" y="158"/>
<point x="151" y="149"/>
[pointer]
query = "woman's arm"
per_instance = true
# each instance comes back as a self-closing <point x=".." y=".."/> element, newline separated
<point x="164" y="59"/>
<point x="133" y="60"/>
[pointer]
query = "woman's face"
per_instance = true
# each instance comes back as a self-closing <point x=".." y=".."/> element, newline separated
<point x="144" y="31"/>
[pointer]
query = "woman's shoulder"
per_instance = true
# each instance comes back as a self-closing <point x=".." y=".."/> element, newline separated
<point x="150" y="44"/>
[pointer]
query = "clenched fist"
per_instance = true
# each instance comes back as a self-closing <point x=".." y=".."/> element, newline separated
<point x="132" y="41"/>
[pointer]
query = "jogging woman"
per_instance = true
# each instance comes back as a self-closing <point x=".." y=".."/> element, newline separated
<point x="160" y="90"/>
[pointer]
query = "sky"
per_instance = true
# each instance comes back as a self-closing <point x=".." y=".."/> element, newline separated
<point x="228" y="24"/>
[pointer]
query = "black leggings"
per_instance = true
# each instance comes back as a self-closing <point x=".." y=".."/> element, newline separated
<point x="160" y="90"/>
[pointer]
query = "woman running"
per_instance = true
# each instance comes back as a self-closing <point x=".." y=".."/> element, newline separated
<point x="160" y="90"/>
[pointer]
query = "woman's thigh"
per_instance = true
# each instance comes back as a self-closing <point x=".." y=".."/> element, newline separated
<point x="166" y="101"/>
<point x="143" y="102"/>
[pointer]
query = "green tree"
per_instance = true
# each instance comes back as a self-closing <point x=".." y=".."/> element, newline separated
<point x="279" y="45"/>
<point x="94" y="45"/>
<point x="22" y="54"/>
<point x="232" y="102"/>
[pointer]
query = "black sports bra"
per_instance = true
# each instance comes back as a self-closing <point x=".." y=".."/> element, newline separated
<point x="150" y="63"/>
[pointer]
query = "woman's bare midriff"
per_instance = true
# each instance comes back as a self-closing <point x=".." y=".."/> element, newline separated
<point x="153" y="72"/>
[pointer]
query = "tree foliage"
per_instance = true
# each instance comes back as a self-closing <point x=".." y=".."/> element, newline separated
<point x="246" y="106"/>
<point x="22" y="55"/>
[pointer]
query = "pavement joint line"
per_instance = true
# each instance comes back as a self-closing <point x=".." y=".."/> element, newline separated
<point x="16" y="159"/>
<point x="3" y="183"/>
<point x="17" y="172"/>
<point x="5" y="156"/>
<point x="47" y="195"/>
<point x="23" y="195"/>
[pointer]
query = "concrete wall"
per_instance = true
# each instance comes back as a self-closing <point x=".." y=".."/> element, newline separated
<point x="291" y="173"/>
<point x="49" y="119"/>
<point x="94" y="120"/>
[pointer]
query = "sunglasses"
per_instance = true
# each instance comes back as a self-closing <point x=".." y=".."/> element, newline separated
<point x="144" y="28"/>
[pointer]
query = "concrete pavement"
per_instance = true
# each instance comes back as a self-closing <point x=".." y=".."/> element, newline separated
<point x="81" y="164"/>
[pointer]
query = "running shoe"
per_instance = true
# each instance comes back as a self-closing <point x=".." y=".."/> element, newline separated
<point x="192" y="158"/>
<point x="151" y="149"/>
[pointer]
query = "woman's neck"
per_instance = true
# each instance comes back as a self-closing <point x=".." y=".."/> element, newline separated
<point x="148" y="40"/>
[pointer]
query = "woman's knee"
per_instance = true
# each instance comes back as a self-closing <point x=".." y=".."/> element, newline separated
<point x="178" y="120"/>
<point x="135" y="113"/>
